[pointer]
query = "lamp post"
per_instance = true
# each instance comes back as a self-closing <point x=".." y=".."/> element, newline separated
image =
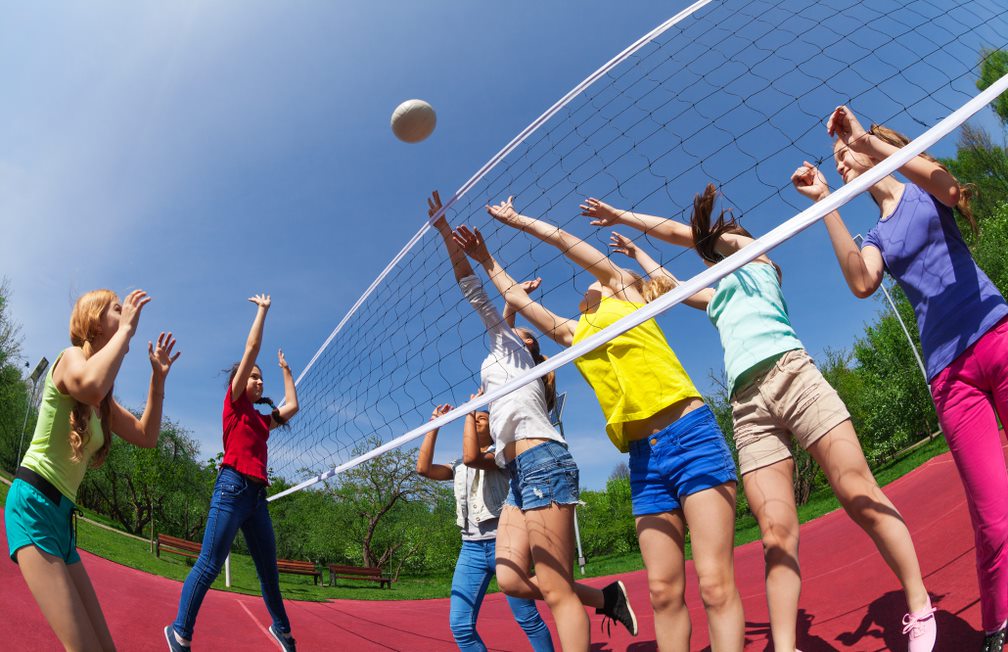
<point x="36" y="374"/>
<point x="892" y="304"/>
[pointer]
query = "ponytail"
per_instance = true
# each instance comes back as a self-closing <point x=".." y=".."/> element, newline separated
<point x="549" y="380"/>
<point x="706" y="236"/>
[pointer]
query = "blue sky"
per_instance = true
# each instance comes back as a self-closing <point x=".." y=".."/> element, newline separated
<point x="209" y="151"/>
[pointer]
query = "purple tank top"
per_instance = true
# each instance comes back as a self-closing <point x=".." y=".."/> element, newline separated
<point x="954" y="301"/>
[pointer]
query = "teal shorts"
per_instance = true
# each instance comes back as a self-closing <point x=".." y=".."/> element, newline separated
<point x="31" y="519"/>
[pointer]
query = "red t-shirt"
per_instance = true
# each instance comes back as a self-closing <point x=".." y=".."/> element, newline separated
<point x="245" y="433"/>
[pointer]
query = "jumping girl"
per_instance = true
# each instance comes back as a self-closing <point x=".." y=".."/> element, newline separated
<point x="239" y="496"/>
<point x="961" y="317"/>
<point x="479" y="498"/>
<point x="77" y="418"/>
<point x="681" y="471"/>
<point x="537" y="525"/>
<point x="779" y="396"/>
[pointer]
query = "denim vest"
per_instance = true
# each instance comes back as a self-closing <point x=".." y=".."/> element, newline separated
<point x="483" y="499"/>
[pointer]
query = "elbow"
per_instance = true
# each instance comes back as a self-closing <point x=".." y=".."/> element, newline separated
<point x="468" y="459"/>
<point x="863" y="291"/>
<point x="952" y="196"/>
<point x="423" y="472"/>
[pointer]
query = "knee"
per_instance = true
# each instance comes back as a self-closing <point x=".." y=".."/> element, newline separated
<point x="667" y="594"/>
<point x="717" y="589"/>
<point x="206" y="570"/>
<point x="863" y="509"/>
<point x="461" y="623"/>
<point x="780" y="542"/>
<point x="509" y="583"/>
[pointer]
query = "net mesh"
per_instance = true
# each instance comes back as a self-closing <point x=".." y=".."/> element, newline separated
<point x="735" y="94"/>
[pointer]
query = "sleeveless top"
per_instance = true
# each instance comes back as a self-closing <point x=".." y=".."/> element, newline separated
<point x="751" y="316"/>
<point x="635" y="375"/>
<point x="49" y="453"/>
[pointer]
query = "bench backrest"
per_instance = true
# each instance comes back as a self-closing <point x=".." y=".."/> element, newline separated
<point x="355" y="570"/>
<point x="296" y="565"/>
<point x="175" y="542"/>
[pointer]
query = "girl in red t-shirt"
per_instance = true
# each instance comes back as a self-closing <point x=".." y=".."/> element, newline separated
<point x="239" y="497"/>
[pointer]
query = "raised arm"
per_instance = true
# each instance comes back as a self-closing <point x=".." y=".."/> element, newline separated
<point x="472" y="455"/>
<point x="460" y="264"/>
<point x="624" y="245"/>
<point x="144" y="432"/>
<point x="290" y="407"/>
<point x="559" y="329"/>
<point x="929" y="175"/>
<point x="89" y="380"/>
<point x="424" y="464"/>
<point x="862" y="268"/>
<point x="663" y="228"/>
<point x="252" y="345"/>
<point x="509" y="311"/>
<point x="580" y="252"/>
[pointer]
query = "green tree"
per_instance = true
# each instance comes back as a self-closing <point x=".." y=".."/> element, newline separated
<point x="994" y="66"/>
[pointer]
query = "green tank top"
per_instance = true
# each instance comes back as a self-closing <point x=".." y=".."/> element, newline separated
<point x="752" y="319"/>
<point x="49" y="453"/>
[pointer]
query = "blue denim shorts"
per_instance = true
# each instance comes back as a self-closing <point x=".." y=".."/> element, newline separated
<point x="543" y="475"/>
<point x="686" y="457"/>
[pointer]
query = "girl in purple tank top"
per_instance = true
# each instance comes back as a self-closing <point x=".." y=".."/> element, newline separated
<point x="961" y="316"/>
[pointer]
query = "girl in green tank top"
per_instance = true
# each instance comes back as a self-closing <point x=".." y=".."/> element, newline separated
<point x="772" y="398"/>
<point x="77" y="419"/>
<point x="644" y="391"/>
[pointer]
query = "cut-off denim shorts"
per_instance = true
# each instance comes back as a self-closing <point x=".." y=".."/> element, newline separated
<point x="687" y="456"/>
<point x="543" y="475"/>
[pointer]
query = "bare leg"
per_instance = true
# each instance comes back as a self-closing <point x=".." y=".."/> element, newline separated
<point x="90" y="599"/>
<point x="710" y="515"/>
<point x="770" y="491"/>
<point x="662" y="539"/>
<point x="57" y="595"/>
<point x="839" y="454"/>
<point x="514" y="559"/>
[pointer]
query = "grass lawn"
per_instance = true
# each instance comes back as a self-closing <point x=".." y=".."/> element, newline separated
<point x="137" y="554"/>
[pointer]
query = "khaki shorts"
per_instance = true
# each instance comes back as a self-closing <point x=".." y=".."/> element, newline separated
<point x="790" y="399"/>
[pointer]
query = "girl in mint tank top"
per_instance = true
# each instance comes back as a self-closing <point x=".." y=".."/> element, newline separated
<point x="962" y="319"/>
<point x="681" y="470"/>
<point x="77" y="419"/>
<point x="778" y="395"/>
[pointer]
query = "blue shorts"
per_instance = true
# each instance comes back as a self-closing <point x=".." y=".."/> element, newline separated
<point x="686" y="457"/>
<point x="31" y="519"/>
<point x="543" y="475"/>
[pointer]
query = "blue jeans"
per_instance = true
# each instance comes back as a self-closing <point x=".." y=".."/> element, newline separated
<point x="473" y="570"/>
<point x="543" y="475"/>
<point x="236" y="503"/>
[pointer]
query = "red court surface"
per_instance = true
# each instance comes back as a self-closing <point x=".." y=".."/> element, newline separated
<point x="850" y="600"/>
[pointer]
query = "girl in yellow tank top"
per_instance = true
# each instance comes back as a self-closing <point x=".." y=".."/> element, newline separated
<point x="681" y="471"/>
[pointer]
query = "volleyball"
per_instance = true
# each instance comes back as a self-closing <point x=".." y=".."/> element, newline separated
<point x="413" y="120"/>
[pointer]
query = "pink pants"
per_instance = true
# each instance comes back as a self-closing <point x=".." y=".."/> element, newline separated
<point x="966" y="395"/>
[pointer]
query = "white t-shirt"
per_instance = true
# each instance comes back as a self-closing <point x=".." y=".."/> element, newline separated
<point x="522" y="414"/>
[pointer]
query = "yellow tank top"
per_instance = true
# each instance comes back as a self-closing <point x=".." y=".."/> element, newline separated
<point x="635" y="375"/>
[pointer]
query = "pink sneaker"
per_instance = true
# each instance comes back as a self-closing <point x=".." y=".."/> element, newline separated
<point x="921" y="629"/>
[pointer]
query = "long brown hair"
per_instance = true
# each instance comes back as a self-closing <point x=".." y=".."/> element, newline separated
<point x="966" y="192"/>
<point x="85" y="323"/>
<point x="263" y="400"/>
<point x="706" y="235"/>
<point x="549" y="380"/>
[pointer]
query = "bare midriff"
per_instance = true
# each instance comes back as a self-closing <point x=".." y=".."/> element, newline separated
<point x="634" y="430"/>
<point x="516" y="448"/>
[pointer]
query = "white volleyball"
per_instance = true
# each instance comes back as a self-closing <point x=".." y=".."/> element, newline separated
<point x="413" y="120"/>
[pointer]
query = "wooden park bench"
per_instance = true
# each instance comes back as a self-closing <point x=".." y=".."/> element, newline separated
<point x="178" y="546"/>
<point x="357" y="573"/>
<point x="299" y="568"/>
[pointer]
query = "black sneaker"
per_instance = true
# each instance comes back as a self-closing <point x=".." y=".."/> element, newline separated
<point x="617" y="607"/>
<point x="994" y="642"/>
<point x="287" y="643"/>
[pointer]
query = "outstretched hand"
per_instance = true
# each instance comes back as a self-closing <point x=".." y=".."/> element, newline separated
<point x="433" y="206"/>
<point x="845" y="126"/>
<point x="530" y="285"/>
<point x="161" y="357"/>
<point x="504" y="211"/>
<point x="622" y="245"/>
<point x="472" y="243"/>
<point x="440" y="411"/>
<point x="134" y="302"/>
<point x="604" y="214"/>
<point x="282" y="361"/>
<point x="261" y="300"/>
<point x="809" y="181"/>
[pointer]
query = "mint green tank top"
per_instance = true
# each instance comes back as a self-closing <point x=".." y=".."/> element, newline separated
<point x="751" y="316"/>
<point x="49" y="453"/>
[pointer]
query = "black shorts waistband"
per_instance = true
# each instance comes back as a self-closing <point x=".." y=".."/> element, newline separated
<point x="44" y="486"/>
